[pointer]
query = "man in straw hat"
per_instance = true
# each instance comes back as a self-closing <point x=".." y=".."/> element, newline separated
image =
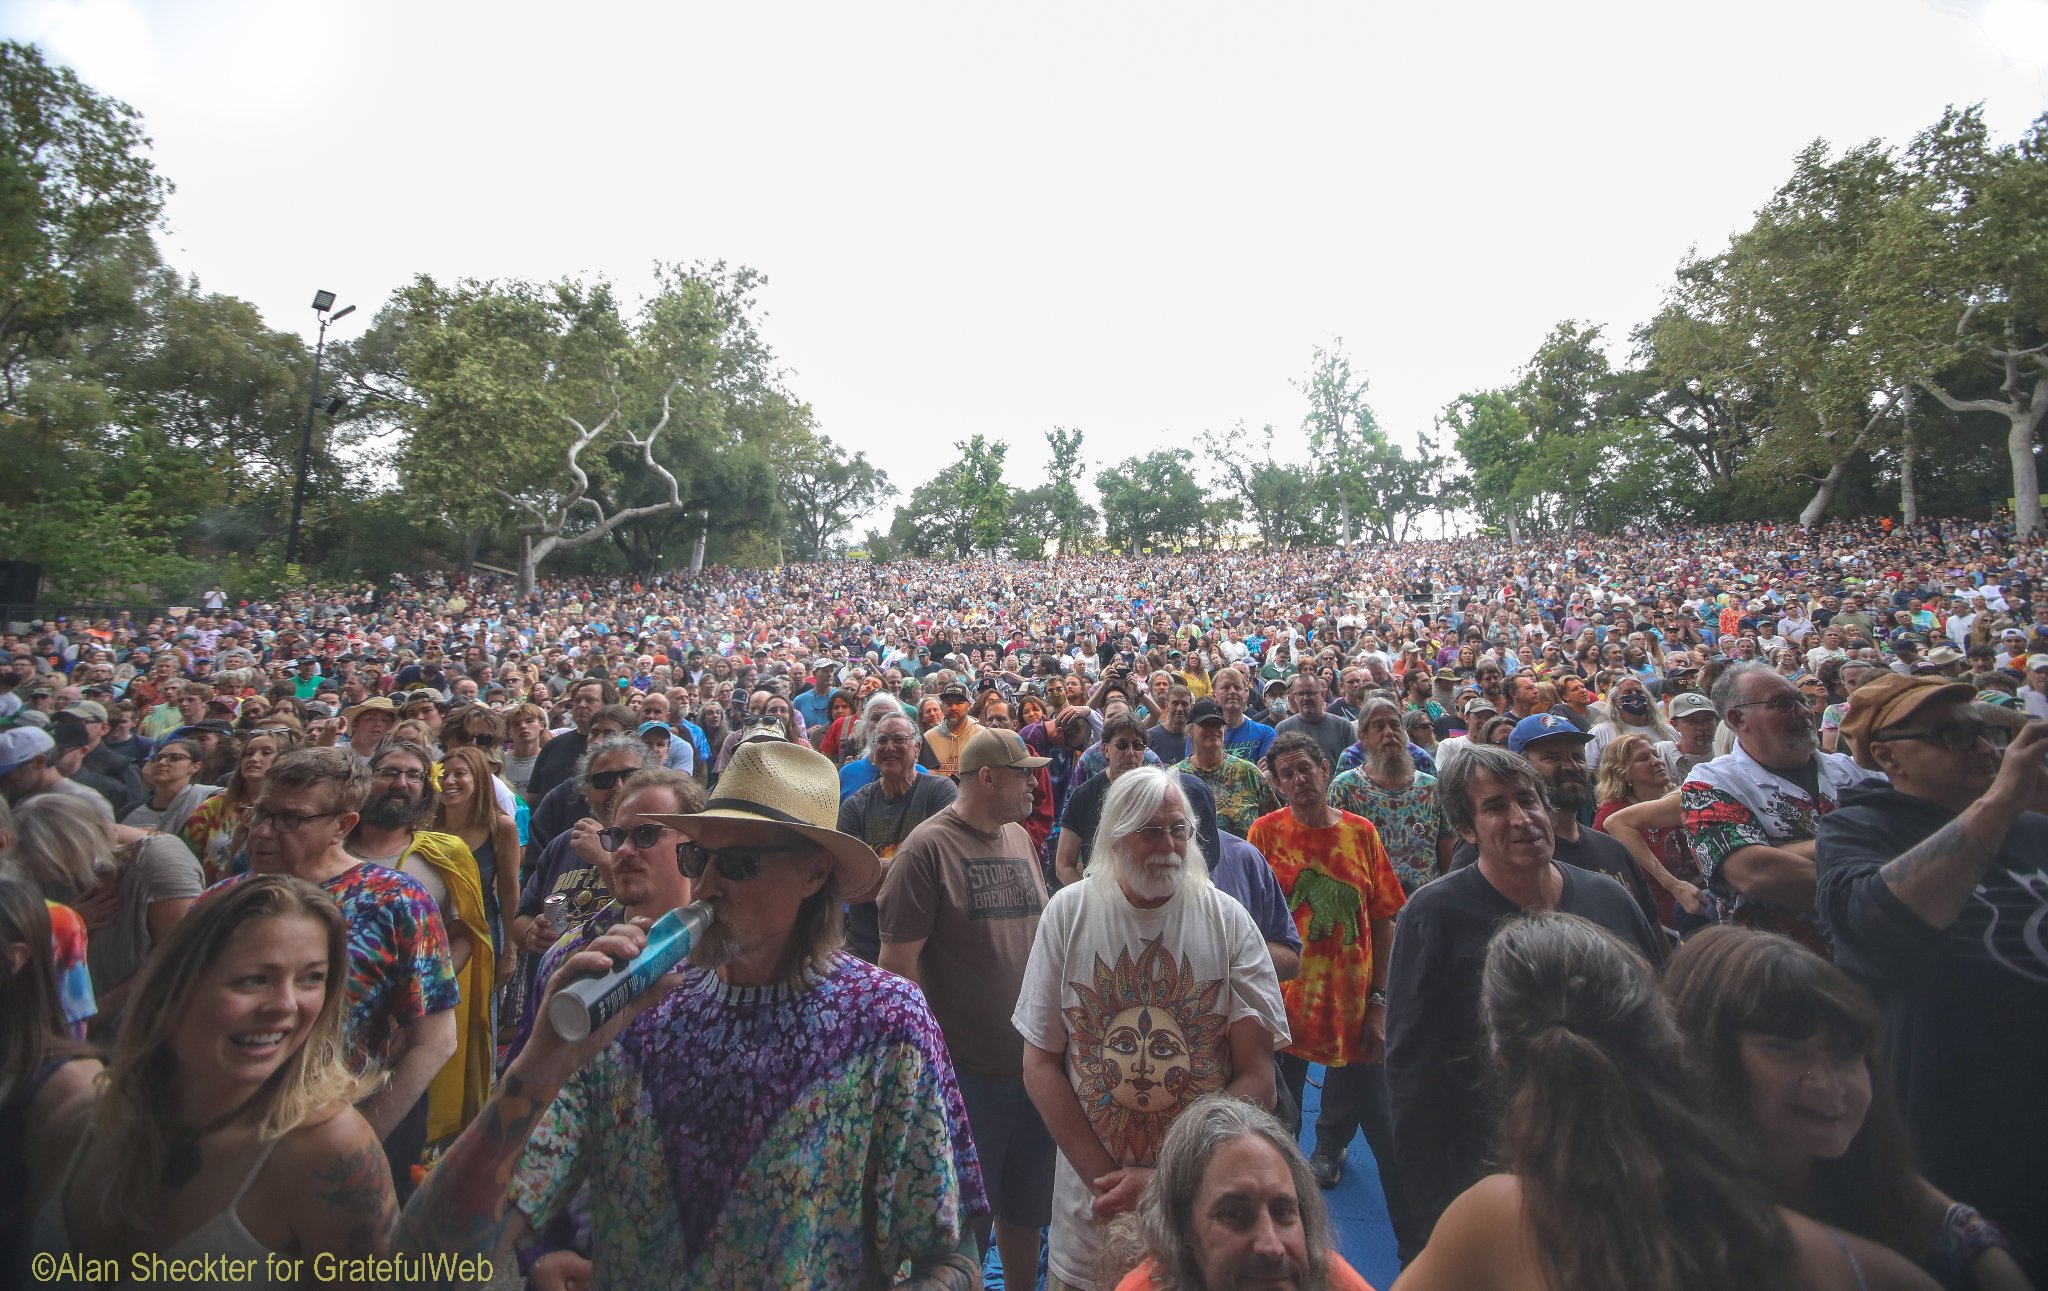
<point x="775" y="1114"/>
<point x="1935" y="889"/>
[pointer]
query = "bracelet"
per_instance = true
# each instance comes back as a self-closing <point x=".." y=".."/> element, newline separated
<point x="1377" y="995"/>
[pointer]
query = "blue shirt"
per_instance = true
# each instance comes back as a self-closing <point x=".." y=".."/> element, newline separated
<point x="1249" y="741"/>
<point x="813" y="706"/>
<point x="1244" y="873"/>
<point x="858" y="775"/>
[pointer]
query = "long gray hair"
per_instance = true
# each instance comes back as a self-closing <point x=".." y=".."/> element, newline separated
<point x="1166" y="1210"/>
<point x="1133" y="799"/>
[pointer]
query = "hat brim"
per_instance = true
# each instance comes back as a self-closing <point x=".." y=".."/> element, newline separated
<point x="858" y="868"/>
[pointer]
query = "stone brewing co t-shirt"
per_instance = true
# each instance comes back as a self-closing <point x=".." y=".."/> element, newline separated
<point x="974" y="899"/>
<point x="1141" y="1003"/>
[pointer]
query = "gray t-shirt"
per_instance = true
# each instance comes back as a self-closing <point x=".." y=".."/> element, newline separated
<point x="883" y="823"/>
<point x="1334" y="733"/>
<point x="160" y="868"/>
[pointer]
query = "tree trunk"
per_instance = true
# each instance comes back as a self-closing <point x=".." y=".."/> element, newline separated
<point x="1909" y="492"/>
<point x="703" y="535"/>
<point x="470" y="542"/>
<point x="1823" y="495"/>
<point x="2026" y="479"/>
<point x="528" y="562"/>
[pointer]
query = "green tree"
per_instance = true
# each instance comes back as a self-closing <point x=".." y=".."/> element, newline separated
<point x="936" y="519"/>
<point x="583" y="422"/>
<point x="1071" y="517"/>
<point x="1954" y="283"/>
<point x="824" y="491"/>
<point x="1153" y="500"/>
<point x="73" y="177"/>
<point x="1341" y="429"/>
<point x="983" y="495"/>
<point x="1278" y="498"/>
<point x="1492" y="434"/>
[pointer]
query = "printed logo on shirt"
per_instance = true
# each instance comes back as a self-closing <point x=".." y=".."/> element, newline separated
<point x="1000" y="887"/>
<point x="1148" y="1040"/>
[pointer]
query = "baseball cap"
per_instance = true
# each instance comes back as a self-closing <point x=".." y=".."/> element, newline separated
<point x="2037" y="661"/>
<point x="90" y="710"/>
<point x="1543" y="726"/>
<point x="1474" y="707"/>
<point x="22" y="744"/>
<point x="69" y="735"/>
<point x="1203" y="710"/>
<point x="997" y="748"/>
<point x="1688" y="704"/>
<point x="953" y="690"/>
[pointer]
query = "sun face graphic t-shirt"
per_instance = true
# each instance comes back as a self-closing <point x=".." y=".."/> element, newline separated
<point x="1141" y="1003"/>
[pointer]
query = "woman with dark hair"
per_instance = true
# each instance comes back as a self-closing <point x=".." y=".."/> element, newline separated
<point x="1788" y="1044"/>
<point x="842" y="710"/>
<point x="1615" y="1176"/>
<point x="224" y="1124"/>
<point x="172" y="777"/>
<point x="41" y="1067"/>
<point x="214" y="831"/>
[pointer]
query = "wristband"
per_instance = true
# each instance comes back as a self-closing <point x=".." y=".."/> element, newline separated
<point x="1377" y="995"/>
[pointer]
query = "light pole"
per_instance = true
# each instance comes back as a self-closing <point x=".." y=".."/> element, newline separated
<point x="322" y="302"/>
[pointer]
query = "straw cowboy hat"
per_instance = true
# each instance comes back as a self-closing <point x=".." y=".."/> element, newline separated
<point x="793" y="787"/>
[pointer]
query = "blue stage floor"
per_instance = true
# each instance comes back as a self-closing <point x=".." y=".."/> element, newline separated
<point x="1357" y="1208"/>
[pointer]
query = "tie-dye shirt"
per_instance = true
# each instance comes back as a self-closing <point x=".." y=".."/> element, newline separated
<point x="764" y="1137"/>
<point x="67" y="956"/>
<point x="1338" y="884"/>
<point x="1242" y="794"/>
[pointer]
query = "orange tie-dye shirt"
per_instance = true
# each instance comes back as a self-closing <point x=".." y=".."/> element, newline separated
<point x="1338" y="882"/>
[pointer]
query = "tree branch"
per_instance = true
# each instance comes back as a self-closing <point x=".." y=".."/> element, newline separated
<point x="646" y="446"/>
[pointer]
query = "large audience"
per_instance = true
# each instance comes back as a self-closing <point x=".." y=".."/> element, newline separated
<point x="1673" y="898"/>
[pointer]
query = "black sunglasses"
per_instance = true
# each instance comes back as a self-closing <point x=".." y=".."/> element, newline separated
<point x="643" y="836"/>
<point x="736" y="864"/>
<point x="607" y="780"/>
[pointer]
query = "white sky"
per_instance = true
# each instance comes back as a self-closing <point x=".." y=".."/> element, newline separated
<point x="1138" y="219"/>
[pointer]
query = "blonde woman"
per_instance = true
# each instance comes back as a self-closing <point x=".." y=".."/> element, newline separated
<point x="224" y="1124"/>
<point x="1632" y="776"/>
<point x="469" y="810"/>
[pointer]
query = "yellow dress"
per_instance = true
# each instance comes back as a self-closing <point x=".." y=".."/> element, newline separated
<point x="462" y="1087"/>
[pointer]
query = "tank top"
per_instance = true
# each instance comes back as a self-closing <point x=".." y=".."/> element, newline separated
<point x="224" y="1234"/>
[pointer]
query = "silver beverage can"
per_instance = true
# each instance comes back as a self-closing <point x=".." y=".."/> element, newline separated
<point x="556" y="911"/>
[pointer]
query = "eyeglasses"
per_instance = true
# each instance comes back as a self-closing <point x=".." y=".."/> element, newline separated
<point x="287" y="822"/>
<point x="643" y="836"/>
<point x="607" y="780"/>
<point x="1128" y="746"/>
<point x="1783" y="705"/>
<point x="1959" y="738"/>
<point x="1157" y="834"/>
<point x="399" y="773"/>
<point x="736" y="864"/>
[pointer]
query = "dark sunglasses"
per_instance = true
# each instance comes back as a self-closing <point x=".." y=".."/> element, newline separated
<point x="1128" y="746"/>
<point x="1959" y="738"/>
<point x="643" y="836"/>
<point x="607" y="780"/>
<point x="736" y="864"/>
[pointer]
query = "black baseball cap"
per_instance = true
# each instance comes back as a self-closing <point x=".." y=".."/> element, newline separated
<point x="1205" y="709"/>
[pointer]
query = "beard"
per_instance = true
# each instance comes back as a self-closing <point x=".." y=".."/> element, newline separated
<point x="394" y="809"/>
<point x="1570" y="788"/>
<point x="1153" y="880"/>
<point x="718" y="946"/>
<point x="1391" y="764"/>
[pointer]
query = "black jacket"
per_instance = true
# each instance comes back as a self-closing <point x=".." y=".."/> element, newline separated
<point x="1966" y="1006"/>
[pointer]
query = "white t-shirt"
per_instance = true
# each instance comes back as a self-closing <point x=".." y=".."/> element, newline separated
<point x="1151" y="995"/>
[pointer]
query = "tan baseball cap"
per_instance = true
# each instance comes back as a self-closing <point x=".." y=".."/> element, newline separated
<point x="997" y="748"/>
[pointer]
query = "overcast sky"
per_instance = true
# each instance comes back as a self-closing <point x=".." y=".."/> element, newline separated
<point x="1138" y="219"/>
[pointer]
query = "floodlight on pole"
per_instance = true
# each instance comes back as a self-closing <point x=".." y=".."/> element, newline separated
<point x="322" y="302"/>
<point x="342" y="313"/>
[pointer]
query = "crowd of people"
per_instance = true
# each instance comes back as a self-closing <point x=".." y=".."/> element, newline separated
<point x="1673" y="899"/>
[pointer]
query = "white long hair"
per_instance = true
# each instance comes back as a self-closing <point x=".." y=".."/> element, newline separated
<point x="1133" y="800"/>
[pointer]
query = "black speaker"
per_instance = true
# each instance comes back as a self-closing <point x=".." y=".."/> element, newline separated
<point x="21" y="583"/>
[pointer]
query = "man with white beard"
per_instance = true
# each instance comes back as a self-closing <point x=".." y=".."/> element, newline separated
<point x="1147" y="988"/>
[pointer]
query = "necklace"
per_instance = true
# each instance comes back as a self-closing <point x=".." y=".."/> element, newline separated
<point x="181" y="1162"/>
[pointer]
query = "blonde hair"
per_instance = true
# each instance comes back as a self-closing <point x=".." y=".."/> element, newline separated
<point x="134" y="1116"/>
<point x="1610" y="783"/>
<point x="57" y="840"/>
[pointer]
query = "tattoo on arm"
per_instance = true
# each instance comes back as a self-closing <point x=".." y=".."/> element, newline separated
<point x="465" y="1206"/>
<point x="1942" y="846"/>
<point x="357" y="1187"/>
